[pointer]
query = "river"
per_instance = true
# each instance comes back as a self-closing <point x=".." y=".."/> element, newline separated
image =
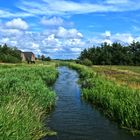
<point x="74" y="119"/>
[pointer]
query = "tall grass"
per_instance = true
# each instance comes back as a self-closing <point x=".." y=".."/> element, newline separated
<point x="24" y="99"/>
<point x="119" y="103"/>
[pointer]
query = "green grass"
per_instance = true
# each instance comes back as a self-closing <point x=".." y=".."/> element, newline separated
<point x="122" y="75"/>
<point x="25" y="98"/>
<point x="135" y="69"/>
<point x="119" y="103"/>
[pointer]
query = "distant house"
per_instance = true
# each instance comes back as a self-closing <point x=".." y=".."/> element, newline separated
<point x="28" y="56"/>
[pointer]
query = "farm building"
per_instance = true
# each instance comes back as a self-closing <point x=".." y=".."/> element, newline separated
<point x="28" y="56"/>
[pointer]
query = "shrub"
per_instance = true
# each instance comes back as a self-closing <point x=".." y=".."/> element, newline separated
<point x="86" y="62"/>
<point x="9" y="55"/>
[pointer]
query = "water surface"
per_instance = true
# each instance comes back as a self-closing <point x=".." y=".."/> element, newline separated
<point x="73" y="119"/>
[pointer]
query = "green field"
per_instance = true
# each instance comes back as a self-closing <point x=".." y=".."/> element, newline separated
<point x="25" y="99"/>
<point x="122" y="75"/>
<point x="118" y="102"/>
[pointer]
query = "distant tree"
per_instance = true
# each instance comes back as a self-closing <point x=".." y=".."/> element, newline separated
<point x="84" y="54"/>
<point x="114" y="54"/>
<point x="8" y="54"/>
<point x="48" y="59"/>
<point x="42" y="57"/>
<point x="135" y="52"/>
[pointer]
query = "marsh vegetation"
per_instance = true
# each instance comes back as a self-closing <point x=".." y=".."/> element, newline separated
<point x="24" y="100"/>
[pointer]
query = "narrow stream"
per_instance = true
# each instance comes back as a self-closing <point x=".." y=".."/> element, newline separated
<point x="73" y="119"/>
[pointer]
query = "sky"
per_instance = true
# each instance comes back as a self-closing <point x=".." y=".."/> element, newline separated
<point x="63" y="28"/>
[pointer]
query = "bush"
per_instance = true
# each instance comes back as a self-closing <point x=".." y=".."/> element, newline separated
<point x="9" y="59"/>
<point x="86" y="62"/>
<point x="9" y="55"/>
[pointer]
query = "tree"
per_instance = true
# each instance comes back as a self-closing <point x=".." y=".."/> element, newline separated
<point x="135" y="52"/>
<point x="8" y="54"/>
<point x="48" y="59"/>
<point x="42" y="57"/>
<point x="114" y="54"/>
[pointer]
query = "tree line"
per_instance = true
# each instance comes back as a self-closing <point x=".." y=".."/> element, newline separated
<point x="112" y="54"/>
<point x="44" y="58"/>
<point x="9" y="55"/>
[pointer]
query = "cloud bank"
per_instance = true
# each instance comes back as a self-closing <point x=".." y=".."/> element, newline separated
<point x="17" y="23"/>
<point x="59" y="42"/>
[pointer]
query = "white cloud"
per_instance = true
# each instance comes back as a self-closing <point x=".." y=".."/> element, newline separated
<point x="17" y="23"/>
<point x="54" y="21"/>
<point x="136" y="28"/>
<point x="107" y="34"/>
<point x="106" y="37"/>
<point x="124" y="37"/>
<point x="51" y="42"/>
<point x="13" y="42"/>
<point x="117" y="2"/>
<point x="72" y="43"/>
<point x="68" y="33"/>
<point x="78" y="50"/>
<point x="11" y="32"/>
<point x="5" y="14"/>
<point x="64" y="7"/>
<point x="8" y="14"/>
<point x="4" y="40"/>
<point x="137" y="38"/>
<point x="34" y="45"/>
<point x="69" y="44"/>
<point x="59" y="42"/>
<point x="108" y="41"/>
<point x="67" y="7"/>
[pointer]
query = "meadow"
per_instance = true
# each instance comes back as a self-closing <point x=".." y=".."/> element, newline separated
<point x="25" y="99"/>
<point x="26" y="96"/>
<point x="117" y="100"/>
<point x="122" y="75"/>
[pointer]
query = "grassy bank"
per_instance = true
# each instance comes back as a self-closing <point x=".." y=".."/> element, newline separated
<point x="120" y="103"/>
<point x="24" y="99"/>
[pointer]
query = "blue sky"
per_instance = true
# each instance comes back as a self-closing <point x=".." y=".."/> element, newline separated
<point x="63" y="28"/>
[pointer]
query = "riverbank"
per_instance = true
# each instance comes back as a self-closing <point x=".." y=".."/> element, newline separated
<point x="25" y="99"/>
<point x="119" y="103"/>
